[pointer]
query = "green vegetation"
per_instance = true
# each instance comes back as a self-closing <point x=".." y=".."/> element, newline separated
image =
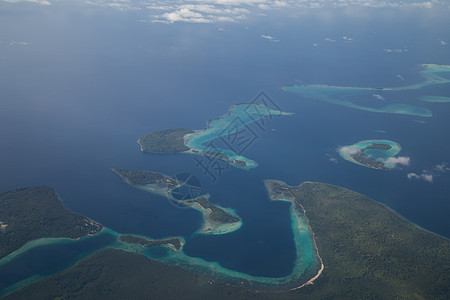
<point x="173" y="242"/>
<point x="378" y="146"/>
<point x="33" y="213"/>
<point x="278" y="190"/>
<point x="138" y="177"/>
<point x="217" y="214"/>
<point x="367" y="161"/>
<point x="214" y="216"/>
<point x="116" y="274"/>
<point x="167" y="141"/>
<point x="368" y="250"/>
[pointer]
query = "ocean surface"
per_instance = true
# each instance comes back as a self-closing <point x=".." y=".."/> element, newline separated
<point x="79" y="86"/>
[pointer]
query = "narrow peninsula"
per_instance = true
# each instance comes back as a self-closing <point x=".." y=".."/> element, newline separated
<point x="176" y="243"/>
<point x="216" y="219"/>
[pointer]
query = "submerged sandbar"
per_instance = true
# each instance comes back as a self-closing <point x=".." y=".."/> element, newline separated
<point x="339" y="95"/>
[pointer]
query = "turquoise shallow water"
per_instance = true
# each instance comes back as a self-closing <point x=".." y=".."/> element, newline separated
<point x="377" y="154"/>
<point x="436" y="99"/>
<point x="104" y="80"/>
<point x="338" y="95"/>
<point x="307" y="263"/>
<point x="228" y="127"/>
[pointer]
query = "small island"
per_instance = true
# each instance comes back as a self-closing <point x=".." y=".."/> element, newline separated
<point x="175" y="243"/>
<point x="153" y="182"/>
<point x="216" y="219"/>
<point x="167" y="141"/>
<point x="201" y="142"/>
<point x="368" y="161"/>
<point x="374" y="154"/>
<point x="33" y="213"/>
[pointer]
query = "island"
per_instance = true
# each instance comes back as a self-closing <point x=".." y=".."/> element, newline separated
<point x="375" y="154"/>
<point x="167" y="141"/>
<point x="216" y="219"/>
<point x="175" y="243"/>
<point x="368" y="252"/>
<point x="29" y="214"/>
<point x="224" y="129"/>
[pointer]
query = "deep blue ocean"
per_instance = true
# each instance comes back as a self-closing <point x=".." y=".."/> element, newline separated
<point x="89" y="83"/>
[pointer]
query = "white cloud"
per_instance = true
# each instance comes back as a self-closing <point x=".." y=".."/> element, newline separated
<point x="347" y="150"/>
<point x="400" y="160"/>
<point x="216" y="11"/>
<point x="315" y="5"/>
<point x="330" y="40"/>
<point x="254" y="6"/>
<point x="378" y="96"/>
<point x="443" y="43"/>
<point x="122" y="5"/>
<point x="185" y="15"/>
<point x="270" y="38"/>
<point x="200" y="11"/>
<point x="429" y="175"/>
<point x="41" y="2"/>
<point x="16" y="43"/>
<point x="401" y="77"/>
<point x="442" y="167"/>
<point x="315" y="44"/>
<point x="346" y="38"/>
<point x="395" y="50"/>
<point x="423" y="176"/>
<point x="331" y="158"/>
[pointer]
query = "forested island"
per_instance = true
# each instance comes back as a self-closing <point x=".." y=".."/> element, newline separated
<point x="146" y="179"/>
<point x="216" y="213"/>
<point x="167" y="141"/>
<point x="216" y="219"/>
<point x="375" y="154"/>
<point x="32" y="213"/>
<point x="176" y="243"/>
<point x="369" y="252"/>
<point x="367" y="161"/>
<point x="378" y="146"/>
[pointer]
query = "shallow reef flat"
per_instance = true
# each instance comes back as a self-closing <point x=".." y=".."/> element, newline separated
<point x="339" y="95"/>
